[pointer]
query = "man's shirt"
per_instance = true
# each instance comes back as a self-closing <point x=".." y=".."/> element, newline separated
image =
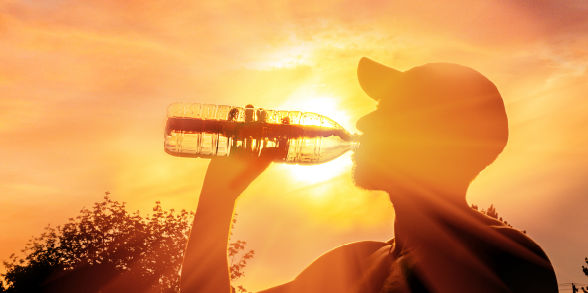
<point x="500" y="259"/>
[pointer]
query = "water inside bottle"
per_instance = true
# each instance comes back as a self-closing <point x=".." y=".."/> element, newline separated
<point x="196" y="130"/>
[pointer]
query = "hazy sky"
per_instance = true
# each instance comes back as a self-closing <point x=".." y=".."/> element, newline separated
<point x="84" y="86"/>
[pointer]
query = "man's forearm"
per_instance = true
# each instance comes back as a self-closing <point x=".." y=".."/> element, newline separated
<point x="205" y="266"/>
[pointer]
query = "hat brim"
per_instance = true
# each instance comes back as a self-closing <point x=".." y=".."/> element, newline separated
<point x="375" y="79"/>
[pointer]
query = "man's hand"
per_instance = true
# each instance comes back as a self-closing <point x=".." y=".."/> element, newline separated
<point x="229" y="176"/>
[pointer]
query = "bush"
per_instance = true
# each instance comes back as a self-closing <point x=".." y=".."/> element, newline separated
<point x="107" y="249"/>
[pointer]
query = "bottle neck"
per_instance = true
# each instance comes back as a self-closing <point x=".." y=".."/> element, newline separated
<point x="353" y="145"/>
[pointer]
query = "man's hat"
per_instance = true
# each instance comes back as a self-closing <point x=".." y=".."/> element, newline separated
<point x="377" y="80"/>
<point x="455" y="95"/>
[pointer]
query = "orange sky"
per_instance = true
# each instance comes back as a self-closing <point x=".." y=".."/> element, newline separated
<point x="85" y="84"/>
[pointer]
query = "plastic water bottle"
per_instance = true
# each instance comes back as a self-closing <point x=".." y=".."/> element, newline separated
<point x="198" y="130"/>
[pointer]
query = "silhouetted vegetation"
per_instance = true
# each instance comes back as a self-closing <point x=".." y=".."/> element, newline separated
<point x="491" y="212"/>
<point x="108" y="249"/>
<point x="585" y="269"/>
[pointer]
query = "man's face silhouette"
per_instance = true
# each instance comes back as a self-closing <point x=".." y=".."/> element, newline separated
<point x="436" y="127"/>
<point x="397" y="148"/>
<point x="374" y="158"/>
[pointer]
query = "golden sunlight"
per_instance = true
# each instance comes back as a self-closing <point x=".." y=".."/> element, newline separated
<point x="84" y="93"/>
<point x="309" y="99"/>
<point x="284" y="57"/>
<point x="311" y="174"/>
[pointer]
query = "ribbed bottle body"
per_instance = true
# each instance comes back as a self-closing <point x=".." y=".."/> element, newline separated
<point x="200" y="130"/>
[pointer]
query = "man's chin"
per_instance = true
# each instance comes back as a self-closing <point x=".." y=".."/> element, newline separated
<point x="363" y="179"/>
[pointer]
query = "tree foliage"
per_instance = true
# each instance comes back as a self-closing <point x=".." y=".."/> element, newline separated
<point x="585" y="269"/>
<point x="108" y="249"/>
<point x="491" y="212"/>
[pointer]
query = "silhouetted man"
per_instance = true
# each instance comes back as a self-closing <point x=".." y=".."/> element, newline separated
<point x="436" y="127"/>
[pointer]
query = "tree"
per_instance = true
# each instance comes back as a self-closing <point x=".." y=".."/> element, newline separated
<point x="107" y="249"/>
<point x="585" y="269"/>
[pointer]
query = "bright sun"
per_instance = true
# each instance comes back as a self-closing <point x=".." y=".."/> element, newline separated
<point x="308" y="100"/>
<point x="311" y="174"/>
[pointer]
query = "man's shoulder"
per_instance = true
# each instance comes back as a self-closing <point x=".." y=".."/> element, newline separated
<point x="361" y="247"/>
<point x="340" y="269"/>
<point x="356" y="252"/>
<point x="517" y="242"/>
<point x="519" y="238"/>
<point x="500" y="236"/>
<point x="343" y="267"/>
<point x="521" y="262"/>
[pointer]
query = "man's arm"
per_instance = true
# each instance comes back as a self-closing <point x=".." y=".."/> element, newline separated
<point x="205" y="266"/>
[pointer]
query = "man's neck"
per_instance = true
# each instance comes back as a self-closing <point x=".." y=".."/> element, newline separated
<point x="419" y="213"/>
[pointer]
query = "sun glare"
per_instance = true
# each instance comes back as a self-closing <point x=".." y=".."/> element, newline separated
<point x="309" y="100"/>
<point x="319" y="173"/>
